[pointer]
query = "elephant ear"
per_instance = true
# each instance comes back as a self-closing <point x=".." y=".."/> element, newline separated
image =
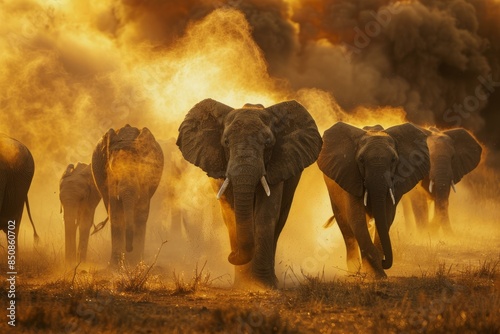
<point x="69" y="170"/>
<point x="200" y="137"/>
<point x="467" y="153"/>
<point x="153" y="155"/>
<point x="99" y="161"/>
<point x="337" y="159"/>
<point x="298" y="141"/>
<point x="414" y="161"/>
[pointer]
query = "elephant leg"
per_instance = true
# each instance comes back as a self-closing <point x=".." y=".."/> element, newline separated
<point x="141" y="218"/>
<point x="83" y="243"/>
<point x="84" y="225"/>
<point x="227" y="211"/>
<point x="339" y="203"/>
<point x="117" y="220"/>
<point x="370" y="255"/>
<point x="241" y="273"/>
<point x="374" y="235"/>
<point x="175" y="221"/>
<point x="441" y="217"/>
<point x="267" y="215"/>
<point x="408" y="213"/>
<point x="230" y="222"/>
<point x="289" y="187"/>
<point x="352" y="249"/>
<point x="351" y="213"/>
<point x="418" y="200"/>
<point x="70" y="240"/>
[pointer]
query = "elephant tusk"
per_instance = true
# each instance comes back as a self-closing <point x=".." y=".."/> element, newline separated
<point x="453" y="187"/>
<point x="431" y="184"/>
<point x="365" y="199"/>
<point x="392" y="196"/>
<point x="265" y="185"/>
<point x="223" y="188"/>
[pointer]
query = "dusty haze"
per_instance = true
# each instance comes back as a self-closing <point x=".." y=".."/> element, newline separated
<point x="70" y="71"/>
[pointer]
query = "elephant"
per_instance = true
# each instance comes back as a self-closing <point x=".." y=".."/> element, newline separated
<point x="453" y="153"/>
<point x="254" y="157"/>
<point x="127" y="166"/>
<point x="79" y="198"/>
<point x="17" y="168"/>
<point x="366" y="173"/>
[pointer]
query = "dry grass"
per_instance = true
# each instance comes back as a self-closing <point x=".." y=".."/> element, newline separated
<point x="134" y="279"/>
<point x="450" y="299"/>
<point x="200" y="280"/>
<point x="444" y="297"/>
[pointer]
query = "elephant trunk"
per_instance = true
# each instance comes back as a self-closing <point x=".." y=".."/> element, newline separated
<point x="244" y="183"/>
<point x="70" y="225"/>
<point x="441" y="193"/>
<point x="380" y="198"/>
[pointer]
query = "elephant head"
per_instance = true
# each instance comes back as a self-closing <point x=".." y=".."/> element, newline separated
<point x="247" y="147"/>
<point x="79" y="198"/>
<point x="453" y="154"/>
<point x="377" y="166"/>
<point x="127" y="166"/>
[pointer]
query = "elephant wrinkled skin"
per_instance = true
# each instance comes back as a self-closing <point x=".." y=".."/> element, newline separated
<point x="16" y="172"/>
<point x="453" y="153"/>
<point x="127" y="165"/>
<point x="366" y="173"/>
<point x="259" y="153"/>
<point x="79" y="198"/>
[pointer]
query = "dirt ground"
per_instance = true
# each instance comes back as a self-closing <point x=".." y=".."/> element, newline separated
<point x="438" y="283"/>
<point x="450" y="296"/>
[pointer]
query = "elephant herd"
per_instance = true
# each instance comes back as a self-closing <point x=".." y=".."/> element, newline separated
<point x="254" y="157"/>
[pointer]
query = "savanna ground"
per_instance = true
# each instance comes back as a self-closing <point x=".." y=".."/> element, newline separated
<point x="438" y="284"/>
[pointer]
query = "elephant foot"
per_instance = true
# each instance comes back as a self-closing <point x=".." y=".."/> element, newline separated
<point x="374" y="270"/>
<point x="375" y="274"/>
<point x="245" y="279"/>
<point x="354" y="266"/>
<point x="116" y="261"/>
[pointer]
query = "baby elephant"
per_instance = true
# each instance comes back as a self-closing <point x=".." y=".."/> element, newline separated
<point x="79" y="198"/>
<point x="366" y="173"/>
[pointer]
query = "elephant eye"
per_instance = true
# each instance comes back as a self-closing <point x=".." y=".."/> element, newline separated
<point x="226" y="141"/>
<point x="393" y="159"/>
<point x="267" y="142"/>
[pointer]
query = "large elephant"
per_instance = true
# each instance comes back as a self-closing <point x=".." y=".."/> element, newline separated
<point x="16" y="172"/>
<point x="255" y="156"/>
<point x="79" y="198"/>
<point x="127" y="165"/>
<point x="366" y="173"/>
<point x="453" y="153"/>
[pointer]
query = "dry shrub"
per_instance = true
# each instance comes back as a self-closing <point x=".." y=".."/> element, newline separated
<point x="135" y="279"/>
<point x="200" y="280"/>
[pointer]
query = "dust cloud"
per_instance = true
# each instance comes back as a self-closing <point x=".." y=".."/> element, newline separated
<point x="72" y="70"/>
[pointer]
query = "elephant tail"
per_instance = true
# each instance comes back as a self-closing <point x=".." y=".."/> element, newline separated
<point x="35" y="235"/>
<point x="100" y="226"/>
<point x="329" y="222"/>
